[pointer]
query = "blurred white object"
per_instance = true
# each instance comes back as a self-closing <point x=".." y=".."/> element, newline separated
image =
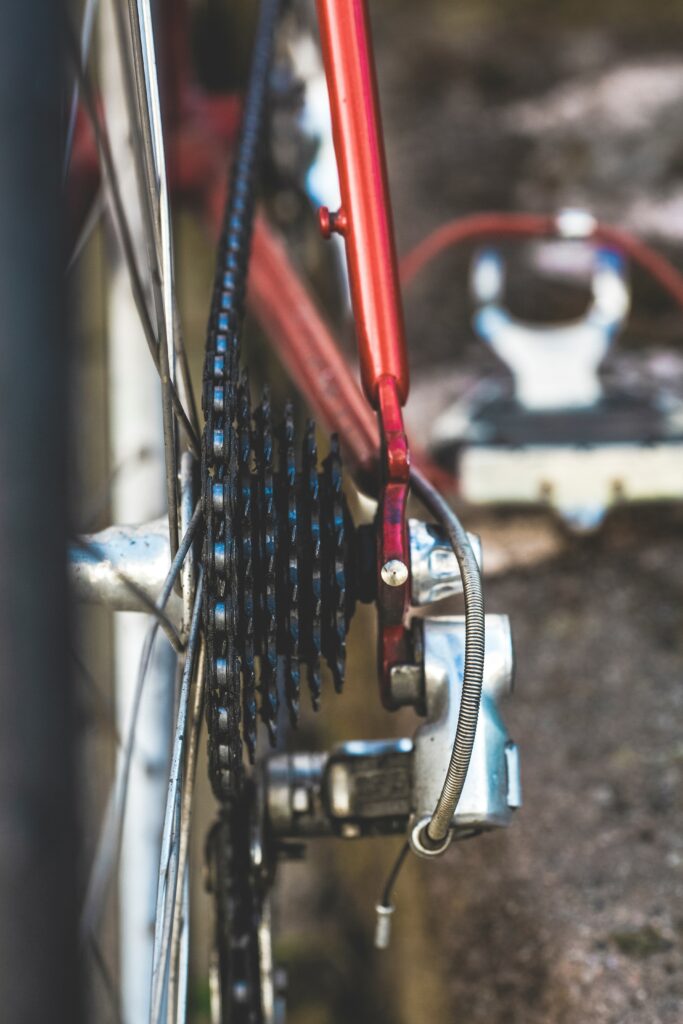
<point x="553" y="366"/>
<point x="580" y="484"/>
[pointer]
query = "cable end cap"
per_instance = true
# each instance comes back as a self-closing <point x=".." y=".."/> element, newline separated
<point x="383" y="925"/>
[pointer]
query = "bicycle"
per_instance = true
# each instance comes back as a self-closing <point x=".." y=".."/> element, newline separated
<point x="284" y="531"/>
<point x="257" y="570"/>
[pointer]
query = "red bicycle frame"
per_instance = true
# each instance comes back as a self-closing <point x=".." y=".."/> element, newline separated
<point x="365" y="222"/>
<point x="200" y="133"/>
<point x="365" y="215"/>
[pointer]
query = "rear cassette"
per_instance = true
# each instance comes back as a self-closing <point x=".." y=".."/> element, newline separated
<point x="288" y="638"/>
<point x="278" y="538"/>
<point x="266" y="598"/>
<point x="278" y="556"/>
<point x="310" y="594"/>
<point x="337" y="604"/>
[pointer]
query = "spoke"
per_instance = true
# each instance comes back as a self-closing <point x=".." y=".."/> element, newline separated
<point x="100" y="504"/>
<point x="167" y="895"/>
<point x="150" y="168"/>
<point x="105" y="711"/>
<point x="154" y="167"/>
<point x="184" y="375"/>
<point x="151" y="118"/>
<point x="107" y="980"/>
<point x="177" y="971"/>
<point x="183" y="956"/>
<point x="90" y="223"/>
<point x="149" y="106"/>
<point x="182" y="551"/>
<point x="125" y="239"/>
<point x="110" y="838"/>
<point x="87" y="24"/>
<point x="129" y="55"/>
<point x="187" y="465"/>
<point x="151" y="171"/>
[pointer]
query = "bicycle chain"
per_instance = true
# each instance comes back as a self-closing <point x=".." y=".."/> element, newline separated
<point x="239" y="889"/>
<point x="278" y="547"/>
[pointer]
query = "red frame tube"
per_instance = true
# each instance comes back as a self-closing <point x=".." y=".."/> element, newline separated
<point x="476" y="226"/>
<point x="365" y="217"/>
<point x="365" y="222"/>
<point x="289" y="316"/>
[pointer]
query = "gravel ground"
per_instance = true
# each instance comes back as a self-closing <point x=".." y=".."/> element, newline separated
<point x="575" y="914"/>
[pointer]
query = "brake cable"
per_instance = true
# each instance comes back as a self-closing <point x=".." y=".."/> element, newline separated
<point x="435" y="833"/>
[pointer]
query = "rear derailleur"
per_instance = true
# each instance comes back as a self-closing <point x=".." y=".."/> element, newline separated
<point x="365" y="788"/>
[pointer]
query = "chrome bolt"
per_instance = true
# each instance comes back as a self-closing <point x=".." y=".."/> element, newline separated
<point x="301" y="803"/>
<point x="394" y="572"/>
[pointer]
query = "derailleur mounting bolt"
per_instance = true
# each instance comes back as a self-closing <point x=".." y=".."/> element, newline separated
<point x="394" y="572"/>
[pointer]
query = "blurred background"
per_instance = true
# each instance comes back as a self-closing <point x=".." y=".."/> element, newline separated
<point x="574" y="914"/>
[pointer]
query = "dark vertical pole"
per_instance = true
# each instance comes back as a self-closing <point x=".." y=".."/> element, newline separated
<point x="38" y="976"/>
